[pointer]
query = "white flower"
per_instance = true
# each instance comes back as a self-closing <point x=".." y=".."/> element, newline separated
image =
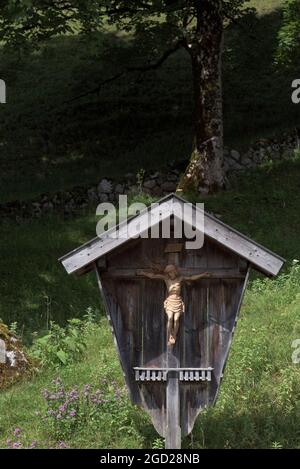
<point x="12" y="358"/>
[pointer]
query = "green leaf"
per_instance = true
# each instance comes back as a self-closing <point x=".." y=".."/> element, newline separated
<point x="71" y="344"/>
<point x="63" y="357"/>
<point x="43" y="340"/>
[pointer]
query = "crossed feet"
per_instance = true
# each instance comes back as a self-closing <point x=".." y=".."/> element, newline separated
<point x="172" y="340"/>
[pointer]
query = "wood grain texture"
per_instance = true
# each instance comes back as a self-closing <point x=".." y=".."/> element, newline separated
<point x="261" y="258"/>
<point x="139" y="321"/>
<point x="172" y="385"/>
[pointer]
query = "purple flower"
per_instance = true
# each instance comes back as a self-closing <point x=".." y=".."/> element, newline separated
<point x="73" y="395"/>
<point x="17" y="431"/>
<point x="72" y="413"/>
<point x="62" y="408"/>
<point x="62" y="445"/>
<point x="16" y="445"/>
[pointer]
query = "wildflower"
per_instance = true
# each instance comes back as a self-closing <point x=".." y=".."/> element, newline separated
<point x="16" y="445"/>
<point x="73" y="395"/>
<point x="72" y="413"/>
<point x="62" y="445"/>
<point x="17" y="431"/>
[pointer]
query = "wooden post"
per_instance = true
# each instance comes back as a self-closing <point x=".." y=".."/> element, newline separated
<point x="173" y="430"/>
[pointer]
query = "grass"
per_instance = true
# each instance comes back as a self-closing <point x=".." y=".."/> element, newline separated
<point x="52" y="146"/>
<point x="265" y="6"/>
<point x="48" y="143"/>
<point x="20" y="405"/>
<point x="34" y="287"/>
<point x="259" y="401"/>
<point x="258" y="405"/>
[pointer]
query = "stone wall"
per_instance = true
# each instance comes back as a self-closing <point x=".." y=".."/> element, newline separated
<point x="155" y="184"/>
<point x="262" y="151"/>
<point x="80" y="198"/>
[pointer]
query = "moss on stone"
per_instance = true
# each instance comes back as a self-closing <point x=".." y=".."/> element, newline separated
<point x="17" y="365"/>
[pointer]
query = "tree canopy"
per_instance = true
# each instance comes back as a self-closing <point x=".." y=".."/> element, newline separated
<point x="160" y="27"/>
<point x="30" y="21"/>
<point x="289" y="34"/>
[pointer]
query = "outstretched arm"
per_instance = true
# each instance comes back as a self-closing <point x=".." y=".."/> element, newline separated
<point x="193" y="278"/>
<point x="151" y="275"/>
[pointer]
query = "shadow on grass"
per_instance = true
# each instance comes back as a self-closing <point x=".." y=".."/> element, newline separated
<point x="250" y="428"/>
<point x="35" y="289"/>
<point x="52" y="142"/>
<point x="257" y="93"/>
<point x="233" y="429"/>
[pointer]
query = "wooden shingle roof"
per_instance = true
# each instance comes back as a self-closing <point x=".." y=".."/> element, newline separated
<point x="260" y="258"/>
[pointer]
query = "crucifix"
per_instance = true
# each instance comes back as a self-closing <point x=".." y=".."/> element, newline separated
<point x="173" y="430"/>
<point x="173" y="304"/>
<point x="174" y="308"/>
<point x="172" y="354"/>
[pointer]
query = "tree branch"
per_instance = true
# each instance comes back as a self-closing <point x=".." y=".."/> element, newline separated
<point x="143" y="68"/>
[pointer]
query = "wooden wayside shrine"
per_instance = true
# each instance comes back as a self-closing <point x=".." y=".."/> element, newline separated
<point x="173" y="382"/>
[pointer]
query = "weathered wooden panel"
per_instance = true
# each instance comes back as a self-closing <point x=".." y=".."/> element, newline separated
<point x="262" y="259"/>
<point x="172" y="382"/>
<point x="108" y="293"/>
<point x="154" y="324"/>
<point x="136" y="308"/>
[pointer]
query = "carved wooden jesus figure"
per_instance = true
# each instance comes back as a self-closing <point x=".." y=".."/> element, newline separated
<point x="173" y="304"/>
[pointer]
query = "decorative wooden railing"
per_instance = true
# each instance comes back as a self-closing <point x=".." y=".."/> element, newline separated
<point x="161" y="374"/>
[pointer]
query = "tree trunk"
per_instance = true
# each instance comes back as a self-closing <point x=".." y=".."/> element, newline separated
<point x="205" y="173"/>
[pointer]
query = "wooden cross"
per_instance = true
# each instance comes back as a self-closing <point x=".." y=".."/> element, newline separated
<point x="173" y="250"/>
<point x="173" y="430"/>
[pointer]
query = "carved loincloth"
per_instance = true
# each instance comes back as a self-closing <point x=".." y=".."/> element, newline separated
<point x="174" y="304"/>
